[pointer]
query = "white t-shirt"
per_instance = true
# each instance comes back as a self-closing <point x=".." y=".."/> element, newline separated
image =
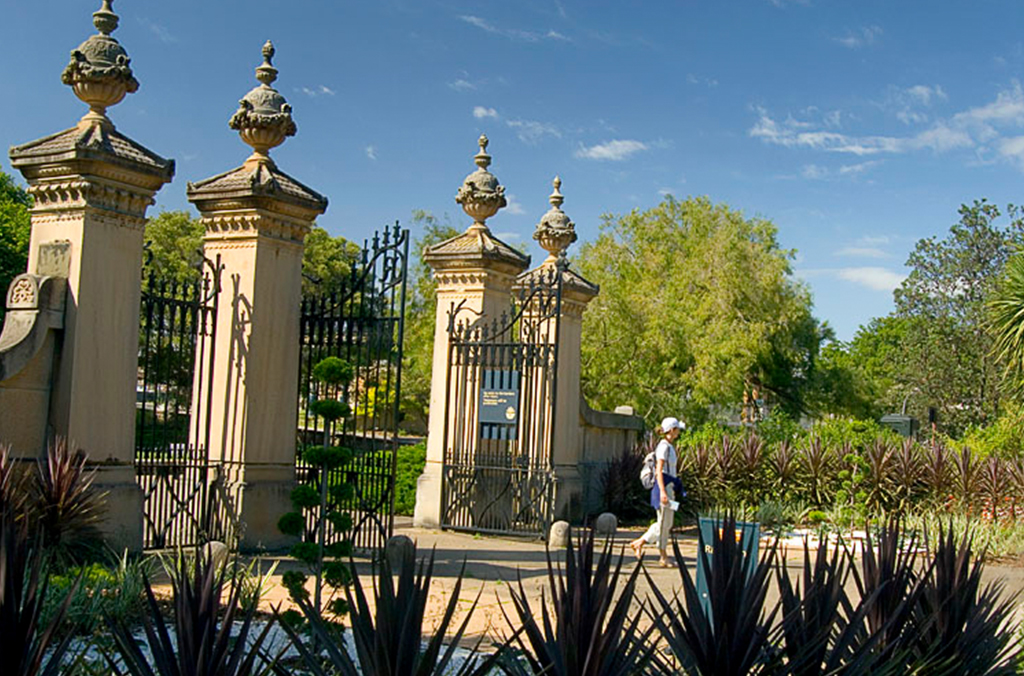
<point x="665" y="451"/>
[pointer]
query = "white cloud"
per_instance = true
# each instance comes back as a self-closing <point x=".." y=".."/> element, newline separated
<point x="371" y="152"/>
<point x="619" y="149"/>
<point x="863" y="37"/>
<point x="874" y="239"/>
<point x="532" y="131"/>
<point x="859" y="168"/>
<point x="877" y="279"/>
<point x="462" y="85"/>
<point x="862" y="252"/>
<point x="513" y="33"/>
<point x="161" y="32"/>
<point x="508" y="236"/>
<point x="513" y="206"/>
<point x="319" y="90"/>
<point x="480" y="112"/>
<point x="814" y="172"/>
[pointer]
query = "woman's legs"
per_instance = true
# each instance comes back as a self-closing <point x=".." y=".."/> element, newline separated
<point x="666" y="519"/>
<point x="658" y="532"/>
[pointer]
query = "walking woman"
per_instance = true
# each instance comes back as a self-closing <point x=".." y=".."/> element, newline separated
<point x="666" y="486"/>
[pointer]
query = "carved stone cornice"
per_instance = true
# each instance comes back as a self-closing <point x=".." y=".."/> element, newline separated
<point x="80" y="192"/>
<point x="471" y="278"/>
<point x="251" y="225"/>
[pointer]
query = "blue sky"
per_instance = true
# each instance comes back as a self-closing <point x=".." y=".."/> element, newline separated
<point x="857" y="127"/>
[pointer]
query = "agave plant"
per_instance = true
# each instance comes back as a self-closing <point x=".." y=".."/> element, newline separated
<point x="699" y="474"/>
<point x="12" y="486"/>
<point x="822" y="631"/>
<point x="961" y="626"/>
<point x="66" y="506"/>
<point x="908" y="470"/>
<point x="818" y="464"/>
<point x="784" y="469"/>
<point x="27" y="648"/>
<point x="748" y="467"/>
<point x="587" y="631"/>
<point x="994" y="483"/>
<point x="938" y="473"/>
<point x="889" y="588"/>
<point x="732" y="638"/>
<point x="388" y="635"/>
<point x="200" y="640"/>
<point x="725" y="462"/>
<point x="879" y="481"/>
<point x="966" y="478"/>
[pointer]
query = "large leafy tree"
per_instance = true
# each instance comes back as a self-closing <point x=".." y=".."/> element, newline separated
<point x="14" y="233"/>
<point x="174" y="245"/>
<point x="326" y="261"/>
<point x="697" y="302"/>
<point x="421" y="308"/>
<point x="945" y="357"/>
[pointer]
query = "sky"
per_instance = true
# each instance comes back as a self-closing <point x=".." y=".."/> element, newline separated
<point x="858" y="127"/>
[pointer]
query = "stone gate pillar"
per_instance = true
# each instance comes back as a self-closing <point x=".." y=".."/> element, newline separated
<point x="256" y="219"/>
<point x="555" y="232"/>
<point x="92" y="186"/>
<point x="478" y="268"/>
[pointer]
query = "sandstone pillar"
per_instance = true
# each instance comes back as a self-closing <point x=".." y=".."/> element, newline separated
<point x="92" y="186"/>
<point x="477" y="270"/>
<point x="555" y="233"/>
<point x="256" y="220"/>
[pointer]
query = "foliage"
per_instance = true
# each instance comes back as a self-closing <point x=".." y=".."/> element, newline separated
<point x="421" y="310"/>
<point x="96" y="591"/>
<point x="409" y="466"/>
<point x="326" y="261"/>
<point x="29" y="647"/>
<point x="731" y="636"/>
<point x="586" y="631"/>
<point x="205" y="638"/>
<point x="622" y="494"/>
<point x="737" y="315"/>
<point x="317" y="504"/>
<point x="174" y="239"/>
<point x="388" y="633"/>
<point x="15" y="229"/>
<point x="66" y="507"/>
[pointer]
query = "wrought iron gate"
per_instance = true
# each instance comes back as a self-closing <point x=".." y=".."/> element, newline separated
<point x="362" y="322"/>
<point x="176" y="340"/>
<point x="500" y="412"/>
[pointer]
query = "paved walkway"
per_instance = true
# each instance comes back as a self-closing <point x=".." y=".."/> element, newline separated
<point x="494" y="563"/>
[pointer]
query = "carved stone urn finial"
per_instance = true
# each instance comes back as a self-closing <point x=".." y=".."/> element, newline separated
<point x="480" y="194"/>
<point x="264" y="117"/>
<point x="100" y="71"/>
<point x="555" y="232"/>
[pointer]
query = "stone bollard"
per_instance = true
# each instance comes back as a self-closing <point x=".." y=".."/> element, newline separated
<point x="397" y="550"/>
<point x="606" y="525"/>
<point x="217" y="552"/>
<point x="558" y="536"/>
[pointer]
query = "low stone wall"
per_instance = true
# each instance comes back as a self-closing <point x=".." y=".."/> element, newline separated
<point x="605" y="436"/>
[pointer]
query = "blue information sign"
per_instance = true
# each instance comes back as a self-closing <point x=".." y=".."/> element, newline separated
<point x="499" y="404"/>
<point x="747" y="534"/>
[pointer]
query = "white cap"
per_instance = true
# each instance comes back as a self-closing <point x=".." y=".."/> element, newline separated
<point x="672" y="424"/>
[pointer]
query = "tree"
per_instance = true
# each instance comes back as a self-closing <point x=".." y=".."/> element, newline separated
<point x="945" y="356"/>
<point x="326" y="261"/>
<point x="174" y="240"/>
<point x="1006" y="316"/>
<point x="421" y="309"/>
<point x="15" y="229"/>
<point x="697" y="303"/>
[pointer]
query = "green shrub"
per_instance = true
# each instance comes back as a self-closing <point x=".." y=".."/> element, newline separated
<point x="411" y="461"/>
<point x="113" y="591"/>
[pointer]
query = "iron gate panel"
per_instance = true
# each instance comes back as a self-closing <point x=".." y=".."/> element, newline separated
<point x="362" y="322"/>
<point x="176" y="340"/>
<point x="500" y="413"/>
